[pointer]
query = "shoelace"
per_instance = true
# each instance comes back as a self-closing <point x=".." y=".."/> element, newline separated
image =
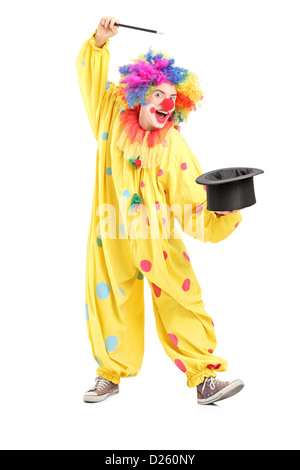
<point x="211" y="381"/>
<point x="101" y="383"/>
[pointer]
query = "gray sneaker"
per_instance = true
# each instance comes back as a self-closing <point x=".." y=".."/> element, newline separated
<point x="102" y="389"/>
<point x="212" y="390"/>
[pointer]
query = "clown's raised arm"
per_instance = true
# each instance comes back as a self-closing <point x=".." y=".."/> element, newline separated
<point x="188" y="198"/>
<point x="92" y="66"/>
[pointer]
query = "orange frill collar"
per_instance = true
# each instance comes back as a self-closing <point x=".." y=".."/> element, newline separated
<point x="136" y="133"/>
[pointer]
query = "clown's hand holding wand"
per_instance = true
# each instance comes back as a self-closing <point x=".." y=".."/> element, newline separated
<point x="106" y="30"/>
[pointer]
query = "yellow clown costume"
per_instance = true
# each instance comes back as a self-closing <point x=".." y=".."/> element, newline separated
<point x="139" y="192"/>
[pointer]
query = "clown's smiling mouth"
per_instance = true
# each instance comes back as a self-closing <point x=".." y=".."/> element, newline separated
<point x="162" y="114"/>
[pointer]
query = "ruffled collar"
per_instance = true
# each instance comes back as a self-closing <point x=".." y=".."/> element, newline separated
<point x="130" y="123"/>
<point x="134" y="141"/>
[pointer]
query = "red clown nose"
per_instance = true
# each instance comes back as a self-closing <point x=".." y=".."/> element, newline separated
<point x="167" y="104"/>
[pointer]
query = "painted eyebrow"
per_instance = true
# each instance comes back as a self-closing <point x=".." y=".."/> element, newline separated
<point x="174" y="94"/>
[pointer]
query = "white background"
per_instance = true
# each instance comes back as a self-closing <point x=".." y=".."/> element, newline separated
<point x="247" y="57"/>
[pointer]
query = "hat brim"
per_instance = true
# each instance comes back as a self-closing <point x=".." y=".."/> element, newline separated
<point x="227" y="175"/>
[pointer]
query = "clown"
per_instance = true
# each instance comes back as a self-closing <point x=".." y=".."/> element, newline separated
<point x="145" y="180"/>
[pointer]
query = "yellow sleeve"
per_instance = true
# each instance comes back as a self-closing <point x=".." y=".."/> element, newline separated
<point x="92" y="67"/>
<point x="189" y="198"/>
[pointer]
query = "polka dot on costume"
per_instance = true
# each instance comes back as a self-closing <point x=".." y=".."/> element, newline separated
<point x="111" y="343"/>
<point x="147" y="221"/>
<point x="98" y="362"/>
<point x="122" y="230"/>
<point x="165" y="254"/>
<point x="186" y="285"/>
<point x="183" y="166"/>
<point x="173" y="338"/>
<point x="157" y="205"/>
<point x="102" y="290"/>
<point x="160" y="172"/>
<point x="105" y="136"/>
<point x="156" y="290"/>
<point x="126" y="193"/>
<point x="121" y="290"/>
<point x="142" y="184"/>
<point x="107" y="85"/>
<point x="140" y="276"/>
<point x="210" y="351"/>
<point x="204" y="187"/>
<point x="99" y="242"/>
<point x="199" y="208"/>
<point x="83" y="63"/>
<point x="163" y="221"/>
<point x="237" y="224"/>
<point x="87" y="317"/>
<point x="214" y="367"/>
<point x="108" y="171"/>
<point x="180" y="365"/>
<point x="186" y="256"/>
<point x="145" y="265"/>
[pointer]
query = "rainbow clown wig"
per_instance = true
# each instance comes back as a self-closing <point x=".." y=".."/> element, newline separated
<point x="139" y="80"/>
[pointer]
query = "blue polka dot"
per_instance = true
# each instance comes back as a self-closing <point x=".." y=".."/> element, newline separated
<point x="121" y="290"/>
<point x="107" y="85"/>
<point x="98" y="362"/>
<point x="105" y="136"/>
<point x="87" y="317"/>
<point x="122" y="230"/>
<point x="83" y="63"/>
<point x="129" y="375"/>
<point x="111" y="343"/>
<point x="126" y="193"/>
<point x="108" y="171"/>
<point x="102" y="290"/>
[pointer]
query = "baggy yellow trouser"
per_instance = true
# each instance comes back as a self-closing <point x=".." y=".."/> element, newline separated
<point x="115" y="309"/>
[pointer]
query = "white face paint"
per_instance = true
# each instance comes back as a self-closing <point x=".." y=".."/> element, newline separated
<point x="160" y="106"/>
<point x="158" y="115"/>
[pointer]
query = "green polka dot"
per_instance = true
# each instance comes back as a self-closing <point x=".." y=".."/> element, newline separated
<point x="99" y="242"/>
<point x="140" y="275"/>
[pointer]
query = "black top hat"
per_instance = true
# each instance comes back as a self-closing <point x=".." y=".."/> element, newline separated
<point x="229" y="189"/>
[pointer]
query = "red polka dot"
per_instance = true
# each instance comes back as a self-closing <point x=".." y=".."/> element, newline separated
<point x="186" y="256"/>
<point x="163" y="221"/>
<point x="186" y="285"/>
<point x="204" y="187"/>
<point x="165" y="254"/>
<point x="173" y="338"/>
<point x="236" y="224"/>
<point x="214" y="367"/>
<point x="156" y="289"/>
<point x="147" y="220"/>
<point x="160" y="172"/>
<point x="145" y="265"/>
<point x="210" y="351"/>
<point x="180" y="365"/>
<point x="212" y="323"/>
<point x="199" y="208"/>
<point x="142" y="184"/>
<point x="183" y="166"/>
<point x="157" y="205"/>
